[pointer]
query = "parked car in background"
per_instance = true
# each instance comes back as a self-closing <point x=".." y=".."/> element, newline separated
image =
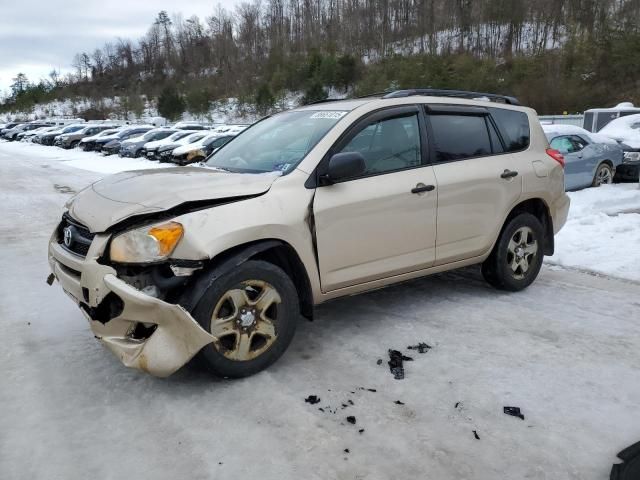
<point x="165" y="152"/>
<point x="306" y="206"/>
<point x="590" y="159"/>
<point x="72" y="139"/>
<point x="88" y="143"/>
<point x="111" y="143"/>
<point x="48" y="138"/>
<point x="200" y="150"/>
<point x="13" y="133"/>
<point x="133" y="147"/>
<point x="8" y="126"/>
<point x="150" y="149"/>
<point x="29" y="134"/>
<point x="626" y="131"/>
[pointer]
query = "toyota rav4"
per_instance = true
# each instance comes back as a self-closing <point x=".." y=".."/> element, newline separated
<point x="323" y="201"/>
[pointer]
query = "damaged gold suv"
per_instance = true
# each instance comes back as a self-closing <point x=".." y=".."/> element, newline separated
<point x="323" y="201"/>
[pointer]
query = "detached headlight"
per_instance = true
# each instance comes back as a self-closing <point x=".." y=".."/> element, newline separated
<point x="631" y="157"/>
<point x="148" y="244"/>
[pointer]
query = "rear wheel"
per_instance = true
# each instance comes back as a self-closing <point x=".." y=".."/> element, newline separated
<point x="516" y="258"/>
<point x="252" y="311"/>
<point x="603" y="176"/>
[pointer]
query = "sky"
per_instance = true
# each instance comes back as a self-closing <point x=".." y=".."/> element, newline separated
<point x="37" y="36"/>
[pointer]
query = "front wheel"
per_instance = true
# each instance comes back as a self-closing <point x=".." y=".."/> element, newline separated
<point x="603" y="176"/>
<point x="252" y="311"/>
<point x="516" y="258"/>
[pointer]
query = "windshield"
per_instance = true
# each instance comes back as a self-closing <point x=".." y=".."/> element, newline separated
<point x="277" y="143"/>
<point x="179" y="135"/>
<point x="72" y="129"/>
<point x="193" y="138"/>
<point x="216" y="142"/>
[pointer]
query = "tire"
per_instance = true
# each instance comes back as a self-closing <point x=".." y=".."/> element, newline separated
<point x="503" y="269"/>
<point x="75" y="144"/>
<point x="247" y="343"/>
<point x="604" y="175"/>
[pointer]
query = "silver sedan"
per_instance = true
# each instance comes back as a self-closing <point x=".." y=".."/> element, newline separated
<point x="591" y="159"/>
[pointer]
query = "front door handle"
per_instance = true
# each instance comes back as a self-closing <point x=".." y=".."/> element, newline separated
<point x="422" y="188"/>
<point x="509" y="174"/>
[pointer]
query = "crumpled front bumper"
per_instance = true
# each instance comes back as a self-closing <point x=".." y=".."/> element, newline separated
<point x="176" y="337"/>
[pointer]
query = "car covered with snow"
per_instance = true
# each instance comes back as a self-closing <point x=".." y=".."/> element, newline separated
<point x="626" y="131"/>
<point x="591" y="159"/>
<point x="88" y="143"/>
<point x="164" y="152"/>
<point x="49" y="138"/>
<point x="12" y="134"/>
<point x="110" y="144"/>
<point x="72" y="139"/>
<point x="308" y="205"/>
<point x="150" y="149"/>
<point x="198" y="151"/>
<point x="133" y="147"/>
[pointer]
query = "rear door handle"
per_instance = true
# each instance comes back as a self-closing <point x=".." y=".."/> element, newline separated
<point x="422" y="188"/>
<point x="509" y="174"/>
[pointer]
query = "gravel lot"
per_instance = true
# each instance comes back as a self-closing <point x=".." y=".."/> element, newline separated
<point x="565" y="351"/>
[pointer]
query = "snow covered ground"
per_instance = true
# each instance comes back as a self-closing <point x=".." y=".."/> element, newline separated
<point x="602" y="234"/>
<point x="92" y="161"/>
<point x="565" y="351"/>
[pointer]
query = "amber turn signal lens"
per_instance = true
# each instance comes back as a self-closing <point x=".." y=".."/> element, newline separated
<point x="167" y="235"/>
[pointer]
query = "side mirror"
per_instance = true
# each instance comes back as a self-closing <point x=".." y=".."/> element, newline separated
<point x="344" y="165"/>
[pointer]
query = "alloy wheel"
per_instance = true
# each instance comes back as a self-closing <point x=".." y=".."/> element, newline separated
<point x="604" y="177"/>
<point x="521" y="252"/>
<point x="244" y="321"/>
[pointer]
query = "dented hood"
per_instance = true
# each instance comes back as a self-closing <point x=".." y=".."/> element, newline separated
<point x="118" y="197"/>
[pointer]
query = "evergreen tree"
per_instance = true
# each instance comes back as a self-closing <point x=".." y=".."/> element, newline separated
<point x="171" y="105"/>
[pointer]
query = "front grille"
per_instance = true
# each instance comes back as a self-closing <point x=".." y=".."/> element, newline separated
<point x="74" y="236"/>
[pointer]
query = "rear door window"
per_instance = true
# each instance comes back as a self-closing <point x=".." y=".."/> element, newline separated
<point x="457" y="137"/>
<point x="514" y="128"/>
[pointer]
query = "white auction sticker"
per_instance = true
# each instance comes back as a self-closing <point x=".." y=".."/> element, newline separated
<point x="335" y="115"/>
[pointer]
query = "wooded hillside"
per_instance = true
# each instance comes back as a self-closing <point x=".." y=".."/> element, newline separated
<point x="555" y="55"/>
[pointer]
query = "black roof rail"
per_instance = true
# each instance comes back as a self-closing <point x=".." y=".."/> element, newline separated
<point x="434" y="92"/>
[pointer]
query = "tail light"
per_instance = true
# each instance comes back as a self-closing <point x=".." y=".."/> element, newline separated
<point x="556" y="155"/>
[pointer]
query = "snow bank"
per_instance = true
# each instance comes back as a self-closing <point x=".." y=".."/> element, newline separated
<point x="602" y="234"/>
<point x="91" y="161"/>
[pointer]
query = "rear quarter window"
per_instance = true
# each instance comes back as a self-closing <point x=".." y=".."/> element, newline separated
<point x="514" y="128"/>
<point x="457" y="137"/>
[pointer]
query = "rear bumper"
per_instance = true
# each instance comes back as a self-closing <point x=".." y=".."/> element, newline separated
<point x="560" y="212"/>
<point x="115" y="310"/>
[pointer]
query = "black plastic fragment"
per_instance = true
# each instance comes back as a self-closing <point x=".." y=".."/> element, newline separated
<point x="351" y="419"/>
<point x="398" y="402"/>
<point x="346" y="450"/>
<point x="630" y="469"/>
<point x="456" y="405"/>
<point x="475" y="434"/>
<point x="361" y="430"/>
<point x="379" y="362"/>
<point x="50" y="279"/>
<point x="421" y="347"/>
<point x="395" y="364"/>
<point x="312" y="399"/>
<point x="514" y="412"/>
